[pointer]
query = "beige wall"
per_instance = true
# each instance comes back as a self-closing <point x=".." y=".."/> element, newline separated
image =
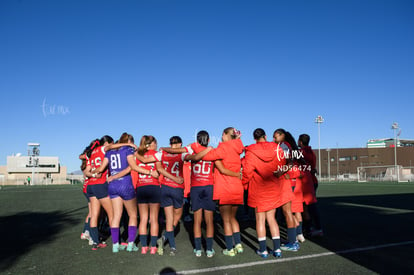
<point x="39" y="178"/>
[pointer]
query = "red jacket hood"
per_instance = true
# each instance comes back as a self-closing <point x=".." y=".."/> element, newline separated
<point x="266" y="151"/>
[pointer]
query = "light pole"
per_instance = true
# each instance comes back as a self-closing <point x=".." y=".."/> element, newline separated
<point x="319" y="119"/>
<point x="329" y="165"/>
<point x="34" y="156"/>
<point x="395" y="127"/>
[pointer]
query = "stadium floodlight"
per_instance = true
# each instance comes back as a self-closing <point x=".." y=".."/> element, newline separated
<point x="319" y="119"/>
<point x="329" y="164"/>
<point x="395" y="127"/>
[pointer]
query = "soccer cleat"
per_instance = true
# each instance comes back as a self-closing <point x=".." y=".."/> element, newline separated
<point x="96" y="246"/>
<point x="144" y="249"/>
<point x="90" y="241"/>
<point x="173" y="251"/>
<point x="132" y="247"/>
<point x="197" y="253"/>
<point x="290" y="247"/>
<point x="102" y="245"/>
<point x="153" y="250"/>
<point x="123" y="246"/>
<point x="239" y="248"/>
<point x="277" y="253"/>
<point x="115" y="247"/>
<point x="263" y="254"/>
<point x="85" y="235"/>
<point x="300" y="238"/>
<point x="160" y="243"/>
<point x="210" y="253"/>
<point x="230" y="252"/>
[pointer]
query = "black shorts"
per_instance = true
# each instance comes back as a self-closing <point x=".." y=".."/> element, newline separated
<point x="149" y="194"/>
<point x="172" y="196"/>
<point x="202" y="198"/>
<point x="99" y="191"/>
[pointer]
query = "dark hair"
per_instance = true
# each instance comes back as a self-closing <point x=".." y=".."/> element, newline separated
<point x="175" y="140"/>
<point x="83" y="165"/>
<point x="145" y="143"/>
<point x="291" y="140"/>
<point x="258" y="133"/>
<point x="106" y="138"/>
<point x="88" y="150"/>
<point x="305" y="139"/>
<point x="280" y="131"/>
<point x="203" y="137"/>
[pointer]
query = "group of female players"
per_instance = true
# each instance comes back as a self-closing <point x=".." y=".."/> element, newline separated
<point x="274" y="174"/>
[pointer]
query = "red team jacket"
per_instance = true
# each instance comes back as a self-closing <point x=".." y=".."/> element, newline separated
<point x="266" y="191"/>
<point x="227" y="189"/>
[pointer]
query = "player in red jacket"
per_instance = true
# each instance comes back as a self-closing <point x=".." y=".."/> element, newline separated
<point x="264" y="189"/>
<point x="292" y="245"/>
<point x="310" y="182"/>
<point x="228" y="190"/>
<point x="295" y="173"/>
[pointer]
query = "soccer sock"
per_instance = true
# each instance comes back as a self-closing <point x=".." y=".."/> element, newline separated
<point x="209" y="243"/>
<point x="299" y="229"/>
<point x="291" y="232"/>
<point x="276" y="242"/>
<point x="236" y="237"/>
<point x="262" y="244"/>
<point x="197" y="243"/>
<point x="154" y="241"/>
<point x="229" y="242"/>
<point x="132" y="233"/>
<point x="115" y="234"/>
<point x="170" y="237"/>
<point x="143" y="240"/>
<point x="95" y="234"/>
<point x="85" y="227"/>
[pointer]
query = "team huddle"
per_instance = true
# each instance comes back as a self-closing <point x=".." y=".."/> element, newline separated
<point x="123" y="178"/>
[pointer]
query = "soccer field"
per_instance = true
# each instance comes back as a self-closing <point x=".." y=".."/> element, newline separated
<point x="368" y="229"/>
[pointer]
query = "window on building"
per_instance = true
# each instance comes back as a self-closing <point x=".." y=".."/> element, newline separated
<point x="344" y="158"/>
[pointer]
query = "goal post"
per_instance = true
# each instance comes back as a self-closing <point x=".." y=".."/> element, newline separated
<point x="384" y="173"/>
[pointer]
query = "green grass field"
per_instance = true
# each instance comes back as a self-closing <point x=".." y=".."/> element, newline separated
<point x="368" y="229"/>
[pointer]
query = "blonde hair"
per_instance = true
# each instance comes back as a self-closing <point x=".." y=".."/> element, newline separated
<point x="145" y="144"/>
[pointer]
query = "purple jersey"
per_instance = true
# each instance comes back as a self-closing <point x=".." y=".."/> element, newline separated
<point x="118" y="160"/>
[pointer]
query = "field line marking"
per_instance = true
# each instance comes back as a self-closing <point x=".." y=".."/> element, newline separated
<point x="234" y="266"/>
<point x="386" y="210"/>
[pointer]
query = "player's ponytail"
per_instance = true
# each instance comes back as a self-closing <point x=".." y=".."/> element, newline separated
<point x="145" y="144"/>
<point x="203" y="137"/>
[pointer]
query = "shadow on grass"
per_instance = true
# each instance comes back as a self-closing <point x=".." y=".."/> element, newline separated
<point x="373" y="222"/>
<point x="26" y="230"/>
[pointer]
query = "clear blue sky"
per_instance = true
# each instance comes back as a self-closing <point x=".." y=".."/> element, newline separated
<point x="72" y="70"/>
